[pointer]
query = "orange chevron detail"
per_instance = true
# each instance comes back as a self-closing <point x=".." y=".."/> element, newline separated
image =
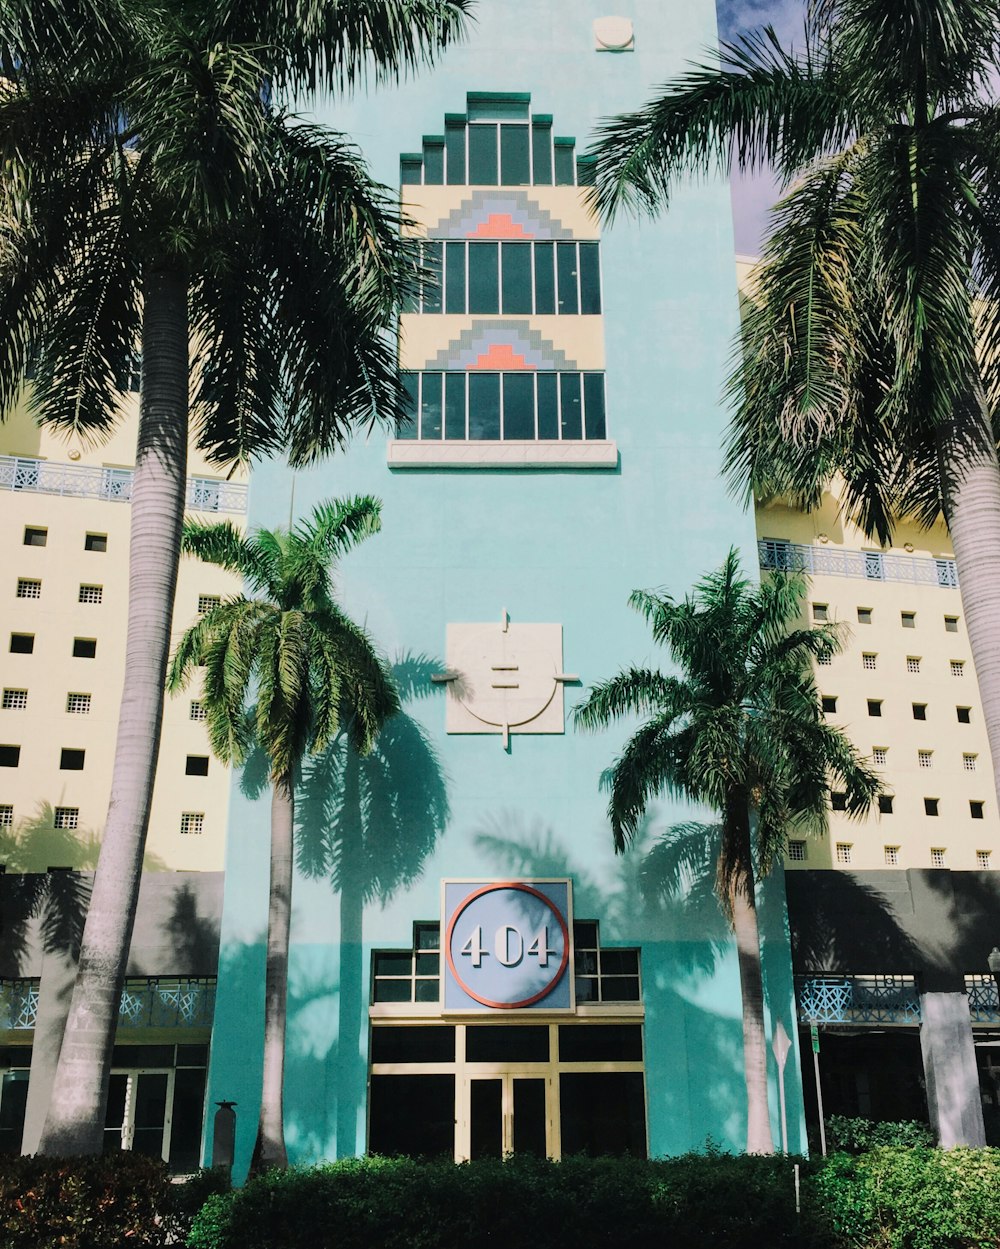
<point x="502" y="358"/>
<point x="500" y="226"/>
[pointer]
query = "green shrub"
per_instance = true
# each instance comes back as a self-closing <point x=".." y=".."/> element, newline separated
<point x="186" y="1197"/>
<point x="856" y="1136"/>
<point x="82" y="1203"/>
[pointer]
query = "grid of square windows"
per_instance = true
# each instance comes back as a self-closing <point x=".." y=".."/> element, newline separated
<point x="797" y="851"/>
<point x="197" y="710"/>
<point x="880" y="755"/>
<point x="844" y="849"/>
<point x="937" y="856"/>
<point x="891" y="855"/>
<point x="913" y="663"/>
<point x="925" y="758"/>
<point x="983" y="858"/>
<point x="91" y="593"/>
<point x="825" y="659"/>
<point x="969" y="763"/>
<point x="6" y="815"/>
<point x="15" y="700"/>
<point x="35" y="537"/>
<point x="78" y="704"/>
<point x="958" y="668"/>
<point x="869" y="661"/>
<point x="66" y="817"/>
<point x="206" y="602"/>
<point x="192" y="822"/>
<point x="29" y="587"/>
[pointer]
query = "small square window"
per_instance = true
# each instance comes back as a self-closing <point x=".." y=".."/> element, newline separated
<point x="885" y="804"/>
<point x="821" y="612"/>
<point x="983" y="859"/>
<point x="969" y="762"/>
<point x="891" y="855"/>
<point x="838" y="800"/>
<point x="951" y="624"/>
<point x="977" y="810"/>
<point x="964" y="715"/>
<point x="925" y="758"/>
<point x="35" y="537"/>
<point x="958" y="668"/>
<point x="95" y="542"/>
<point x="206" y="602"/>
<point x="874" y="706"/>
<point x="15" y="700"/>
<point x="844" y="852"/>
<point x="10" y="756"/>
<point x="6" y="815"/>
<point x="84" y="648"/>
<point x="920" y="711"/>
<point x="869" y="661"/>
<point x="829" y="702"/>
<point x="880" y="755"/>
<point x="196" y="765"/>
<point x="22" y="643"/>
<point x="797" y="851"/>
<point x="864" y="615"/>
<point x="71" y="760"/>
<point x="78" y="704"/>
<point x="913" y="663"/>
<point x="91" y="593"/>
<point x="937" y="856"/>
<point x="28" y="587"/>
<point x="193" y="822"/>
<point x="825" y="660"/>
<point x="908" y="619"/>
<point x="931" y="806"/>
<point x="198" y="711"/>
<point x="66" y="817"/>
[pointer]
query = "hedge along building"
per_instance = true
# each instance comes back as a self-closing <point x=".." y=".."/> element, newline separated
<point x="565" y="450"/>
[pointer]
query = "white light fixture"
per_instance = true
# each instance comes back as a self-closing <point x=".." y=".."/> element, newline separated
<point x="614" y="34"/>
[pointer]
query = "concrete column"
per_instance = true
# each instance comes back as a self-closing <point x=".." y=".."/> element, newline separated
<point x="953" y="1101"/>
<point x="54" y="992"/>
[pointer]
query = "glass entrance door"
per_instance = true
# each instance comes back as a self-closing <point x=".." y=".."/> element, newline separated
<point x="138" y="1115"/>
<point x="506" y="1113"/>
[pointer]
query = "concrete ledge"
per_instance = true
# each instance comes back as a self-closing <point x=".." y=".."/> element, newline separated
<point x="409" y="453"/>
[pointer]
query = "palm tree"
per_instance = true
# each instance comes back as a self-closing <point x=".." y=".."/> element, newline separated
<point x="154" y="194"/>
<point x="871" y="347"/>
<point x="738" y="729"/>
<point x="312" y="673"/>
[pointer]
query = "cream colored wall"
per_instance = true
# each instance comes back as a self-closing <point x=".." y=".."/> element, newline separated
<point x="425" y="206"/>
<point x="421" y="337"/>
<point x="51" y="672"/>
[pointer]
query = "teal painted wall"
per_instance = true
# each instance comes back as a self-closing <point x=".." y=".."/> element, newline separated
<point x="548" y="546"/>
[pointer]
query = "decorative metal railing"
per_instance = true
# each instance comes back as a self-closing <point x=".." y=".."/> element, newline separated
<point x="149" y="1002"/>
<point x="18" y="1004"/>
<point x="984" y="1001"/>
<point x="776" y="555"/>
<point x="857" y="999"/>
<point x="114" y="485"/>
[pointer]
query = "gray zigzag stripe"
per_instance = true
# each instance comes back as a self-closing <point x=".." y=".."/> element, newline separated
<point x="470" y="212"/>
<point x="461" y="352"/>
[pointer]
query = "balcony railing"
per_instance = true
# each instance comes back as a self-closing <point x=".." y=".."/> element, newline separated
<point x="113" y="485"/>
<point x="857" y="999"/>
<point x="147" y="1002"/>
<point x="779" y="556"/>
<point x="984" y="1003"/>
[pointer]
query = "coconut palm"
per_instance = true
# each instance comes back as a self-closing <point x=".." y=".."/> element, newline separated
<point x="738" y="729"/>
<point x="311" y="673"/>
<point x="154" y="195"/>
<point x="871" y="347"/>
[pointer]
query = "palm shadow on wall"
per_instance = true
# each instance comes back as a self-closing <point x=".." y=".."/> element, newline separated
<point x="367" y="825"/>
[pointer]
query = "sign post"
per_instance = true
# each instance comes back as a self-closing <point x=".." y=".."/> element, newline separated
<point x="781" y="1043"/>
<point x="814" y="1037"/>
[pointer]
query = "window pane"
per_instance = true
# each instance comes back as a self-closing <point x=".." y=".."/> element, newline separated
<point x="529" y="1117"/>
<point x="427" y="936"/>
<point x="603" y="1113"/>
<point x="433" y="164"/>
<point x="408" y="429"/>
<point x="590" y="279"/>
<point x="485" y="1119"/>
<point x="620" y="988"/>
<point x="393" y="991"/>
<point x="541" y="153"/>
<point x="409" y="170"/>
<point x="565" y="172"/>
<point x="482" y="155"/>
<point x="514" y="156"/>
<point x="548" y="405"/>
<point x="485" y="1043"/>
<point x="454" y="405"/>
<point x="188" y="1110"/>
<point x="13" y="1099"/>
<point x="518" y="405"/>
<point x="545" y="286"/>
<point x="593" y="395"/>
<point x="411" y="303"/>
<point x="600" y="1043"/>
<point x="413" y="1045"/>
<point x="516" y="276"/>
<point x="566" y="266"/>
<point x="620" y="962"/>
<point x="430" y="406"/>
<point x="484" y="405"/>
<point x="569" y="393"/>
<point x="585" y="934"/>
<point x="432" y="284"/>
<point x="484" y="285"/>
<point x="412" y="1115"/>
<point x="454" y="277"/>
<point x="394" y="963"/>
<point x="454" y="142"/>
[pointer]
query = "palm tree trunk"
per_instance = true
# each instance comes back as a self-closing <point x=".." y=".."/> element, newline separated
<point x="744" y="913"/>
<point x="75" y="1120"/>
<point x="269" y="1150"/>
<point x="970" y="485"/>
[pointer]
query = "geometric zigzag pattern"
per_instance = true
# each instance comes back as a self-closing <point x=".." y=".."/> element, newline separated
<point x="500" y="345"/>
<point x="499" y="215"/>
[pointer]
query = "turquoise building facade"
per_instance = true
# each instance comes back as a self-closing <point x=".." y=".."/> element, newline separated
<point x="567" y="382"/>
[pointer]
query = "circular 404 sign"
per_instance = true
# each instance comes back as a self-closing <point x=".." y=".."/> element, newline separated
<point x="507" y="945"/>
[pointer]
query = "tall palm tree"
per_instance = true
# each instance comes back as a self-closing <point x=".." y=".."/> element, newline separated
<point x="871" y="348"/>
<point x="154" y="194"/>
<point x="739" y="729"/>
<point x="311" y="673"/>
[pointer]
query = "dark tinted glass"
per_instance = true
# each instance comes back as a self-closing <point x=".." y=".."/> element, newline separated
<point x="548" y="405"/>
<point x="22" y="643"/>
<point x="428" y="964"/>
<point x="427" y="936"/>
<point x="454" y="277"/>
<point x="585" y="934"/>
<point x="485" y="1119"/>
<point x="433" y="164"/>
<point x="484" y="405"/>
<point x="585" y="963"/>
<point x="409" y="170"/>
<point x="484" y="284"/>
<point x="590" y="279"/>
<point x="185" y="1133"/>
<point x="142" y="1056"/>
<point x="482" y="155"/>
<point x="192" y="1055"/>
<point x="593" y="397"/>
<point x="392" y="991"/>
<point x="454" y="143"/>
<point x="620" y="988"/>
<point x="516" y="277"/>
<point x="84" y="648"/>
<point x="454" y="405"/>
<point x="72" y="760"/>
<point x="393" y="963"/>
<point x="545" y="284"/>
<point x="586" y="989"/>
<point x="529" y="1116"/>
<point x="413" y="1045"/>
<point x="10" y="756"/>
<point x="433" y="257"/>
<point x="600" y="1043"/>
<point x="603" y="1113"/>
<point x="620" y="962"/>
<point x="565" y="171"/>
<point x="514" y="169"/>
<point x="518" y="405"/>
<point x="412" y="1115"/>
<point x="195" y="765"/>
<point x="566" y="268"/>
<point x="430" y="406"/>
<point x="13" y="1099"/>
<point x="569" y="394"/>
<point x="486" y="1043"/>
<point x="541" y="154"/>
<point x="919" y="711"/>
<point x="408" y="428"/>
<point x="426" y="990"/>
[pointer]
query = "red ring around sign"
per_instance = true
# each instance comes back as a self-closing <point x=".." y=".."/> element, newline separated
<point x="528" y="1001"/>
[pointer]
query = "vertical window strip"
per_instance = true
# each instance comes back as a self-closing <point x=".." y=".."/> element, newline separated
<point x="527" y="278"/>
